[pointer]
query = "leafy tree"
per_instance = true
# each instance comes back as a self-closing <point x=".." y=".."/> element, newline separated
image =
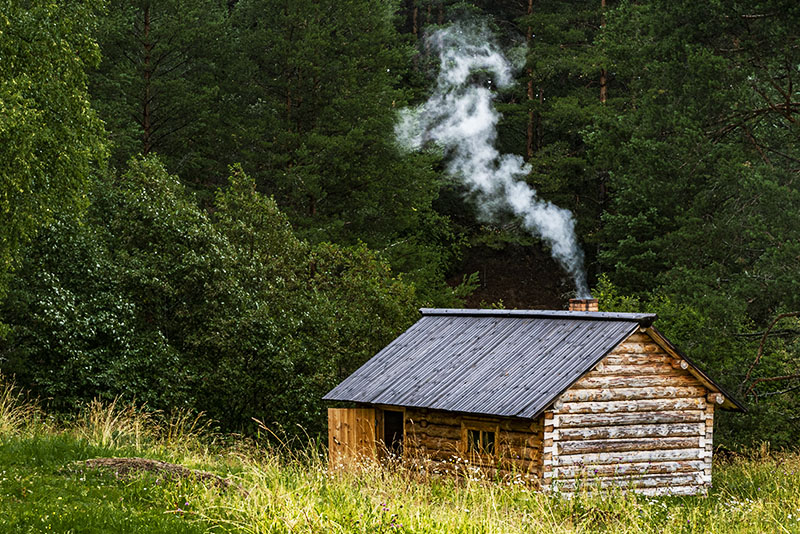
<point x="152" y="298"/>
<point x="49" y="135"/>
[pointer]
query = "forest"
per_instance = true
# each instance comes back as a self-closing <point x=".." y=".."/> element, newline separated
<point x="207" y="206"/>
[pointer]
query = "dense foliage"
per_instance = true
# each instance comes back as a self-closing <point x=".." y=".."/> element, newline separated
<point x="151" y="297"/>
<point x="670" y="129"/>
<point x="49" y="134"/>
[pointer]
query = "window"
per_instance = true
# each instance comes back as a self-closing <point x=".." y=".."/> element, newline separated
<point x="480" y="441"/>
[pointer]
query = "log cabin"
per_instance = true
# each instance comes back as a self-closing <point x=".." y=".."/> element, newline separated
<point x="557" y="398"/>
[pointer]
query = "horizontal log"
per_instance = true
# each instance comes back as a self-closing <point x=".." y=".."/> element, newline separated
<point x="435" y="455"/>
<point x="439" y="418"/>
<point x="649" y="405"/>
<point x="639" y="338"/>
<point x="453" y="433"/>
<point x="640" y="481"/>
<point x="621" y="445"/>
<point x="520" y="438"/>
<point x="519" y="465"/>
<point x="437" y="431"/>
<point x="625" y="358"/>
<point x="629" y="469"/>
<point x="530" y="455"/>
<point x="678" y="491"/>
<point x="632" y="431"/>
<point x="442" y="444"/>
<point x="636" y="370"/>
<point x="628" y="457"/>
<point x="616" y="394"/>
<point x="636" y="418"/>
<point x="674" y="491"/>
<point x="638" y="348"/>
<point x="593" y="380"/>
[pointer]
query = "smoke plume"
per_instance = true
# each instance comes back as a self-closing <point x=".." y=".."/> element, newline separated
<point x="460" y="117"/>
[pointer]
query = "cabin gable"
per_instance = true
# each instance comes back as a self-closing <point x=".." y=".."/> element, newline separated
<point x="639" y="418"/>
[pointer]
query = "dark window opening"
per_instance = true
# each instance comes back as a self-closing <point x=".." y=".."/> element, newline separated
<point x="480" y="441"/>
<point x="393" y="431"/>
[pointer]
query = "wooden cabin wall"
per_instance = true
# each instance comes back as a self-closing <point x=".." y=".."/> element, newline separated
<point x="636" y="420"/>
<point x="439" y="437"/>
<point x="351" y="437"/>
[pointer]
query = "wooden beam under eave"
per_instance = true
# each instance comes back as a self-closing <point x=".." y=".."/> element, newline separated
<point x="662" y="342"/>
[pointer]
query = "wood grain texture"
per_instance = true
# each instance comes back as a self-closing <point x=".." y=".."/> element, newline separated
<point x="617" y="394"/>
<point x="644" y="405"/>
<point x="595" y="381"/>
<point x="632" y="431"/>
<point x="351" y="437"/>
<point x="602" y="470"/>
<point x="636" y="418"/>
<point x="628" y="457"/>
<point x="636" y="370"/>
<point x="622" y="445"/>
<point x="636" y="359"/>
<point x="640" y="481"/>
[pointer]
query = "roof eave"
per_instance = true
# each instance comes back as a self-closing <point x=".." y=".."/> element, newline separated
<point x="730" y="402"/>
<point x="644" y="319"/>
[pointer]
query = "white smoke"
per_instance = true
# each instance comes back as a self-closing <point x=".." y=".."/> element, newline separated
<point x="460" y="117"/>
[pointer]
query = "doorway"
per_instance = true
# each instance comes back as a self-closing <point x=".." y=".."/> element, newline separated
<point x="393" y="432"/>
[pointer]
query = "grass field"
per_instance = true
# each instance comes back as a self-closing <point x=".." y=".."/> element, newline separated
<point x="46" y="487"/>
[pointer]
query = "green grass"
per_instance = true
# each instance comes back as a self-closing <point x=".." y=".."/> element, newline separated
<point x="45" y="488"/>
<point x="40" y="491"/>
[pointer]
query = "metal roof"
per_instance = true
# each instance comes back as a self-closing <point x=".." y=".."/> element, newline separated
<point x="494" y="362"/>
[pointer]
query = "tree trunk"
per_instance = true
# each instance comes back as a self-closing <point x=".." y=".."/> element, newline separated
<point x="147" y="109"/>
<point x="603" y="73"/>
<point x="415" y="30"/>
<point x="531" y="114"/>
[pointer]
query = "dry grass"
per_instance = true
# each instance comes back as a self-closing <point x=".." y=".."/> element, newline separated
<point x="17" y="413"/>
<point x="115" y="424"/>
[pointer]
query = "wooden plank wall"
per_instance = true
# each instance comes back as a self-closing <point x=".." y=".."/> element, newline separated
<point x="438" y="437"/>
<point x="351" y="437"/>
<point x="638" y="419"/>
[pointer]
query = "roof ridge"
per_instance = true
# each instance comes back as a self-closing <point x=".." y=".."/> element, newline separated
<point x="644" y="319"/>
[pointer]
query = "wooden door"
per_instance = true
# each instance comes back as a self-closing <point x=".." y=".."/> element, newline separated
<point x="351" y="437"/>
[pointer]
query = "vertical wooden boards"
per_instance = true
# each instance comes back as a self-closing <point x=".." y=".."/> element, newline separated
<point x="351" y="437"/>
<point x="639" y="420"/>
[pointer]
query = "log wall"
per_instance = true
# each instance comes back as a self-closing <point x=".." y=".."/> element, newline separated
<point x="439" y="438"/>
<point x="638" y="420"/>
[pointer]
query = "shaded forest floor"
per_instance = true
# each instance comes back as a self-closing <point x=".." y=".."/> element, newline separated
<point x="46" y="485"/>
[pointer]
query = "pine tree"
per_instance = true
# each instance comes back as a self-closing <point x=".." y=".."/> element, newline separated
<point x="318" y="89"/>
<point x="158" y="86"/>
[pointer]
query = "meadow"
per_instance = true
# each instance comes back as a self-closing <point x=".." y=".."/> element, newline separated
<point x="46" y="486"/>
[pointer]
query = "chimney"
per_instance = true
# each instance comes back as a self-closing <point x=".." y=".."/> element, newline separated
<point x="587" y="305"/>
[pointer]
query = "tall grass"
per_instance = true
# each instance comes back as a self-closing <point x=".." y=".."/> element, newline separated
<point x="115" y="424"/>
<point x="17" y="413"/>
<point x="283" y="488"/>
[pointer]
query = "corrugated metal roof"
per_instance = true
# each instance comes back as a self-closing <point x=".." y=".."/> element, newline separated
<point x="494" y="362"/>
